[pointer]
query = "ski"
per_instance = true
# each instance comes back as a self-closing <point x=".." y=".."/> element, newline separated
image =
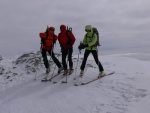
<point x="85" y="83"/>
<point x="62" y="76"/>
<point x="45" y="80"/>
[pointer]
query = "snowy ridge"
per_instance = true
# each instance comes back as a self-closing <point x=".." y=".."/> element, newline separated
<point x="17" y="69"/>
<point x="126" y="91"/>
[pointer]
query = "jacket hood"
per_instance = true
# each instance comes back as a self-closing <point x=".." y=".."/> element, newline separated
<point x="51" y="28"/>
<point x="63" y="27"/>
<point x="88" y="27"/>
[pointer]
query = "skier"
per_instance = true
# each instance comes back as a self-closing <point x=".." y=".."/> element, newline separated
<point x="66" y="40"/>
<point x="48" y="40"/>
<point x="89" y="42"/>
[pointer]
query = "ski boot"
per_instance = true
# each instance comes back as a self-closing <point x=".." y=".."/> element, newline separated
<point x="60" y="69"/>
<point x="70" y="71"/>
<point x="101" y="74"/>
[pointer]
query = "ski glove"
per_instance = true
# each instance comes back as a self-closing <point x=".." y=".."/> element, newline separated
<point x="82" y="46"/>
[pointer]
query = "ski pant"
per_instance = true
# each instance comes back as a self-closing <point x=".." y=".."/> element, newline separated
<point x="45" y="60"/>
<point x="95" y="55"/>
<point x="66" y="52"/>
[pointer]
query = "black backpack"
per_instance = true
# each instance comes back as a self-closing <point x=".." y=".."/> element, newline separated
<point x="69" y="29"/>
<point x="96" y="32"/>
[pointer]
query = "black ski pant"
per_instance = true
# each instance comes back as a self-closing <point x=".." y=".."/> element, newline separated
<point x="66" y="52"/>
<point x="45" y="60"/>
<point x="95" y="55"/>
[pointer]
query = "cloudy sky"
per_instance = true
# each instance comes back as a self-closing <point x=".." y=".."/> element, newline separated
<point x="122" y="24"/>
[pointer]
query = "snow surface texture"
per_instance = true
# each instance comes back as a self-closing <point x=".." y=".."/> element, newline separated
<point x="126" y="91"/>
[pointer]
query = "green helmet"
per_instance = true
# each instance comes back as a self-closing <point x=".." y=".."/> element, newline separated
<point x="88" y="27"/>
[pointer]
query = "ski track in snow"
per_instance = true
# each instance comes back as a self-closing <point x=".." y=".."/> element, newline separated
<point x="112" y="94"/>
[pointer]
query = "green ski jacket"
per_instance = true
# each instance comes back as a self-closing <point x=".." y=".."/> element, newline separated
<point x="90" y="38"/>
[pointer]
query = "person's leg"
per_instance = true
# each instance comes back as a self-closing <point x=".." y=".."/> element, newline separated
<point x="64" y="55"/>
<point x="45" y="61"/>
<point x="60" y="67"/>
<point x="45" y="58"/>
<point x="55" y="59"/>
<point x="70" y="51"/>
<point x="86" y="54"/>
<point x="95" y="55"/>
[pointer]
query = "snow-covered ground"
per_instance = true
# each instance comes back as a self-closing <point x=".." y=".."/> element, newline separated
<point x="126" y="91"/>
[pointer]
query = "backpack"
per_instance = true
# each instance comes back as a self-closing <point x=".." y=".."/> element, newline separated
<point x="96" y="32"/>
<point x="69" y="30"/>
<point x="43" y="40"/>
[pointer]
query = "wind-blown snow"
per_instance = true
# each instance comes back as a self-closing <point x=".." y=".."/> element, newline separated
<point x="126" y="91"/>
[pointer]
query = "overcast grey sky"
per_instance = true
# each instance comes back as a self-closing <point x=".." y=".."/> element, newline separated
<point x="121" y="23"/>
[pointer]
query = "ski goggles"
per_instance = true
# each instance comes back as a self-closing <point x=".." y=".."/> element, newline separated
<point x="51" y="30"/>
<point x="61" y="29"/>
<point x="88" y="30"/>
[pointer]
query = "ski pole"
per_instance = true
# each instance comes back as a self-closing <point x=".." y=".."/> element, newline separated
<point x="67" y="66"/>
<point x="35" y="74"/>
<point x="37" y="60"/>
<point x="53" y="61"/>
<point x="54" y="70"/>
<point x="77" y="64"/>
<point x="98" y="64"/>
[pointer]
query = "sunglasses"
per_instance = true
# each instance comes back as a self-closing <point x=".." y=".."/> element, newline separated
<point x="61" y="29"/>
<point x="87" y="30"/>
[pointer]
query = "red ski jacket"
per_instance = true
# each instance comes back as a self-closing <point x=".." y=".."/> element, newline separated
<point x="48" y="41"/>
<point x="66" y="39"/>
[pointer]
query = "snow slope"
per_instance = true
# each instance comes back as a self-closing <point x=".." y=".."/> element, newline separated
<point x="126" y="91"/>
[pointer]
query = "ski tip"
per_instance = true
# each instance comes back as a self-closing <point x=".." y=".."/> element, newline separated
<point x="109" y="73"/>
<point x="45" y="80"/>
<point x="76" y="84"/>
<point x="112" y="73"/>
<point x="82" y="83"/>
<point x="54" y="82"/>
<point x="63" y="81"/>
